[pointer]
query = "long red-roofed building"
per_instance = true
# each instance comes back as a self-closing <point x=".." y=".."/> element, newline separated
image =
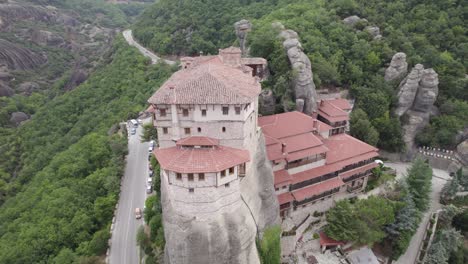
<point x="312" y="159"/>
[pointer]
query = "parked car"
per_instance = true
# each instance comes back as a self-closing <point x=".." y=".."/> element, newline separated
<point x="150" y="181"/>
<point x="138" y="213"/>
<point x="151" y="143"/>
<point x="133" y="131"/>
<point x="149" y="189"/>
<point x="150" y="149"/>
<point x="133" y="123"/>
<point x="139" y="121"/>
<point x="150" y="172"/>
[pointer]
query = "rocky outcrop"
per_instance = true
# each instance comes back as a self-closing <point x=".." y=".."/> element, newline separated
<point x="427" y="92"/>
<point x="408" y="89"/>
<point x="46" y="38"/>
<point x="267" y="102"/>
<point x="18" y="117"/>
<point x="227" y="236"/>
<point x="242" y="27"/>
<point x="353" y="20"/>
<point x="5" y="90"/>
<point x="416" y="96"/>
<point x="16" y="57"/>
<point x="304" y="87"/>
<point x="374" y="31"/>
<point x="462" y="150"/>
<point x="78" y="77"/>
<point x="27" y="88"/>
<point x="398" y="67"/>
<point x="12" y="12"/>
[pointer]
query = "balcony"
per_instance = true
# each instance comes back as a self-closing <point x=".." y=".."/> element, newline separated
<point x="352" y="189"/>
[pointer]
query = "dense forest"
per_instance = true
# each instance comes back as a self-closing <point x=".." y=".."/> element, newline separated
<point x="429" y="32"/>
<point x="61" y="170"/>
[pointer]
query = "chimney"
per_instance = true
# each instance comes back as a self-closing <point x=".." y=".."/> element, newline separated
<point x="315" y="124"/>
<point x="321" y="102"/>
<point x="283" y="148"/>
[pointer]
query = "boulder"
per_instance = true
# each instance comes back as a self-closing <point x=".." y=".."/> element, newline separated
<point x="5" y="90"/>
<point x="267" y="102"/>
<point x="27" y="88"/>
<point x="78" y="77"/>
<point x="351" y="20"/>
<point x="416" y="121"/>
<point x="398" y="67"/>
<point x="46" y="38"/>
<point x="242" y="27"/>
<point x="18" y="117"/>
<point x="408" y="89"/>
<point x="304" y="88"/>
<point x="374" y="31"/>
<point x="427" y="91"/>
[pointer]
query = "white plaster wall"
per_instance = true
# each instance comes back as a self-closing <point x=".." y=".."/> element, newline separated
<point x="325" y="134"/>
<point x="228" y="178"/>
<point x="307" y="166"/>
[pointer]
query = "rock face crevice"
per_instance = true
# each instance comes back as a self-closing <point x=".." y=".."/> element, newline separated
<point x="227" y="236"/>
<point x="304" y="88"/>
<point x="417" y="94"/>
<point x="19" y="58"/>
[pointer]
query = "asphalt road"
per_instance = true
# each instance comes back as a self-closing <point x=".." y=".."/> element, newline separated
<point x="123" y="248"/>
<point x="438" y="180"/>
<point x="147" y="53"/>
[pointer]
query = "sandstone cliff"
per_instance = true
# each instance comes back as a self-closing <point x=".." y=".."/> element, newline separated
<point x="227" y="235"/>
<point x="304" y="88"/>
<point x="398" y="67"/>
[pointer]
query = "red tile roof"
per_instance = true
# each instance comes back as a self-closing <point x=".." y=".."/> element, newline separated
<point x="285" y="198"/>
<point x="343" y="104"/>
<point x="197" y="160"/>
<point x="343" y="146"/>
<point x="331" y="112"/>
<point x="282" y="177"/>
<point x="198" y="141"/>
<point x="150" y="109"/>
<point x="306" y="153"/>
<point x="357" y="170"/>
<point x="208" y="81"/>
<point x="300" y="142"/>
<point x="328" y="241"/>
<point x="286" y="124"/>
<point x="309" y="191"/>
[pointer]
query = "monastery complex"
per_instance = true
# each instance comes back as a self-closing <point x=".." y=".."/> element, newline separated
<point x="207" y="121"/>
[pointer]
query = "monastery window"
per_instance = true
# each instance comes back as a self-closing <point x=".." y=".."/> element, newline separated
<point x="224" y="129"/>
<point x="223" y="174"/>
<point x="203" y="112"/>
<point x="276" y="189"/>
<point x="237" y="108"/>
<point x="199" y="130"/>
<point x="165" y="130"/>
<point x="187" y="130"/>
<point x="191" y="190"/>
<point x="190" y="176"/>
<point x="231" y="170"/>
<point x="225" y="110"/>
<point x="162" y="112"/>
<point x="226" y="185"/>
<point x="179" y="176"/>
<point x="185" y="112"/>
<point x="201" y="176"/>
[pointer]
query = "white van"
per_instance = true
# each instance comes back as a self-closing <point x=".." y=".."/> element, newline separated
<point x="134" y="123"/>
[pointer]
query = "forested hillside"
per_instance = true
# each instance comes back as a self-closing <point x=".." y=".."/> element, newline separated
<point x="429" y="32"/>
<point x="61" y="171"/>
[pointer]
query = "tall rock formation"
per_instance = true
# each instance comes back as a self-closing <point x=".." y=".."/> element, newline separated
<point x="416" y="96"/>
<point x="242" y="27"/>
<point x="228" y="235"/>
<point x="304" y="87"/>
<point x="267" y="102"/>
<point x="398" y="67"/>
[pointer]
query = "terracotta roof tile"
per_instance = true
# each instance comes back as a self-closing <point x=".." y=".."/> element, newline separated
<point x="306" y="153"/>
<point x="197" y="160"/>
<point x="209" y="81"/>
<point x="309" y="191"/>
<point x="282" y="177"/>
<point x="341" y="103"/>
<point x="331" y="112"/>
<point x="286" y="124"/>
<point x="328" y="241"/>
<point x="343" y="146"/>
<point x="300" y="142"/>
<point x="285" y="198"/>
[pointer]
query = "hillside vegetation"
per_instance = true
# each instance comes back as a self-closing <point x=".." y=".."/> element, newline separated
<point x="68" y="161"/>
<point x="429" y="32"/>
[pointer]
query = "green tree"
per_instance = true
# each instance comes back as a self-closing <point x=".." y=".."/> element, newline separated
<point x="149" y="132"/>
<point x="419" y="183"/>
<point x="362" y="128"/>
<point x="269" y="247"/>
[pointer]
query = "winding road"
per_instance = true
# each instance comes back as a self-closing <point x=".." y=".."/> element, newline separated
<point x="147" y="53"/>
<point x="123" y="249"/>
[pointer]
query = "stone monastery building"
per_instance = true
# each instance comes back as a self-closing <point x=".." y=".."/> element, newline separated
<point x="206" y="117"/>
